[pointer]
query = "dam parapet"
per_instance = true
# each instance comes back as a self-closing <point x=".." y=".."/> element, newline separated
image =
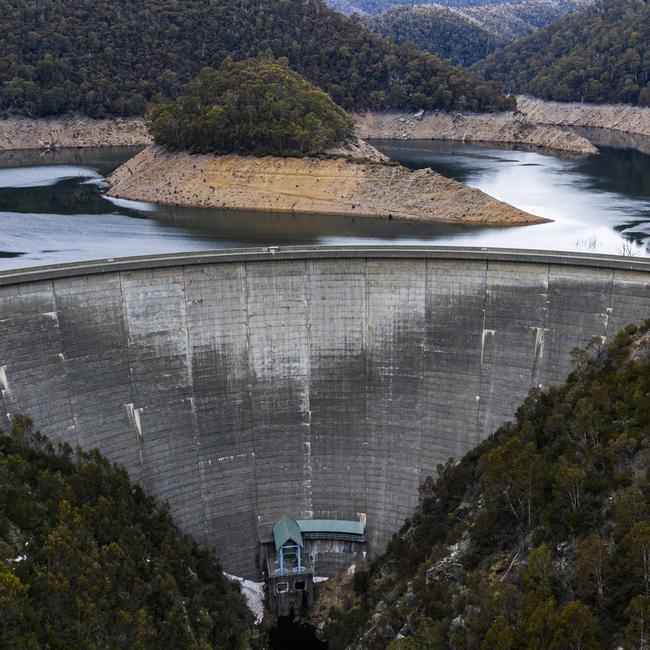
<point x="240" y="386"/>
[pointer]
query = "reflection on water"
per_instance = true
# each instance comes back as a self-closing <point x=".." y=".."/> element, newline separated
<point x="102" y="159"/>
<point x="615" y="139"/>
<point x="278" y="228"/>
<point x="599" y="202"/>
<point x="52" y="208"/>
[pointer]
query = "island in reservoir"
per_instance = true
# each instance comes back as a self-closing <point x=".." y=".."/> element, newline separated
<point x="254" y="135"/>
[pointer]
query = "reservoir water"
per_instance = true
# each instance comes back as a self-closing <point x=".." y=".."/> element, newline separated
<point x="53" y="210"/>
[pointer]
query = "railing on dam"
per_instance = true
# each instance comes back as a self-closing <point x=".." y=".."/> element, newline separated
<point x="266" y="253"/>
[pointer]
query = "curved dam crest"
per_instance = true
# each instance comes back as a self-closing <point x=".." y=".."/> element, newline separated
<point x="311" y="382"/>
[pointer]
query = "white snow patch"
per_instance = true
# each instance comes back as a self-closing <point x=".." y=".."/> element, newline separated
<point x="320" y="579"/>
<point x="254" y="594"/>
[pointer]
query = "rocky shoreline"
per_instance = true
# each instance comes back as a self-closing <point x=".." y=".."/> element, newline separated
<point x="364" y="187"/>
<point x="616" y="117"/>
<point x="500" y="128"/>
<point x="71" y="131"/>
<point x="537" y="123"/>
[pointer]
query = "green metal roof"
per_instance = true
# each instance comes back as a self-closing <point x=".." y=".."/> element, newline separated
<point x="337" y="526"/>
<point x="286" y="530"/>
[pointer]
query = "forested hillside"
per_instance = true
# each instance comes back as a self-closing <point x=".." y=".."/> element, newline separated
<point x="88" y="561"/>
<point x="600" y="55"/>
<point x="538" y="538"/>
<point x="512" y="20"/>
<point x="378" y="6"/>
<point x="438" y="30"/>
<point x="251" y="107"/>
<point x="464" y="33"/>
<point x="113" y="58"/>
<point x="534" y="9"/>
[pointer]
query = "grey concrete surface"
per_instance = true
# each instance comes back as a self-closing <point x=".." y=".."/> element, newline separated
<point x="243" y="386"/>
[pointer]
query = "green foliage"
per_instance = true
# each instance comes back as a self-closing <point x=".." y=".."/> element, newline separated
<point x="378" y="6"/>
<point x="637" y="631"/>
<point x="499" y="636"/>
<point x="251" y="107"/>
<point x="113" y="58"/>
<point x="538" y="538"/>
<point x="513" y="472"/>
<point x="88" y="561"/>
<point x="599" y="55"/>
<point x="438" y="30"/>
<point x="512" y="20"/>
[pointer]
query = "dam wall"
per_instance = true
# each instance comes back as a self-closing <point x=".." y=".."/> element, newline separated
<point x="308" y="382"/>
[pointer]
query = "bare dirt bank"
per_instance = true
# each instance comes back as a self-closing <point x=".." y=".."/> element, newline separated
<point x="505" y="128"/>
<point x="539" y="123"/>
<point x="71" y="131"/>
<point x="619" y="117"/>
<point x="307" y="185"/>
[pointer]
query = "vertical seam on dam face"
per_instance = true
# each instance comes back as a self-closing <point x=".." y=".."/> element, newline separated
<point x="425" y="344"/>
<point x="538" y="352"/>
<point x="308" y="500"/>
<point x="136" y="430"/>
<point x="193" y="413"/>
<point x="326" y="386"/>
<point x="366" y="460"/>
<point x="61" y="356"/>
<point x="609" y="305"/>
<point x="477" y="432"/>
<point x="247" y="316"/>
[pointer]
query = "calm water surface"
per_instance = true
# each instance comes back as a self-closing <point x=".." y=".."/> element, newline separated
<point x="52" y="207"/>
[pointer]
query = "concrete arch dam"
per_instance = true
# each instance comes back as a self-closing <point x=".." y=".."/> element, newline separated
<point x="313" y="382"/>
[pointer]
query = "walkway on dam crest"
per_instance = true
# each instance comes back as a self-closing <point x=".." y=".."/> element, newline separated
<point x="321" y="252"/>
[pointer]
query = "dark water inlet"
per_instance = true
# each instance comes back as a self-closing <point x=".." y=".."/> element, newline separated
<point x="289" y="635"/>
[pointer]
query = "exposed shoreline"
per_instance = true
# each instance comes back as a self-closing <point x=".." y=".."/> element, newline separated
<point x="71" y="131"/>
<point x="621" y="118"/>
<point x="480" y="128"/>
<point x="538" y="123"/>
<point x="330" y="185"/>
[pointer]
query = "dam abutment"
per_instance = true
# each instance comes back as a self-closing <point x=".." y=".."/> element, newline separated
<point x="307" y="382"/>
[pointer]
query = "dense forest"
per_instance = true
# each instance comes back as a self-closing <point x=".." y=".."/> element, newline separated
<point x="539" y="538"/>
<point x="371" y="7"/>
<point x="513" y="20"/>
<point x="114" y="58"/>
<point x="251" y="107"/>
<point x="378" y="6"/>
<point x="466" y="34"/>
<point x="87" y="560"/>
<point x="438" y="30"/>
<point x="599" y="55"/>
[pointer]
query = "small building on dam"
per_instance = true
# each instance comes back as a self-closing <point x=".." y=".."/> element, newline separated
<point x="321" y="385"/>
<point x="291" y="557"/>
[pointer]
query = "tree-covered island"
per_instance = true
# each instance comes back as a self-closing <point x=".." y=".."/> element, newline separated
<point x="255" y="106"/>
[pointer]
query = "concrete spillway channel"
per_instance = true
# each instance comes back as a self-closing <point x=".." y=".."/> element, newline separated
<point x="241" y="386"/>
